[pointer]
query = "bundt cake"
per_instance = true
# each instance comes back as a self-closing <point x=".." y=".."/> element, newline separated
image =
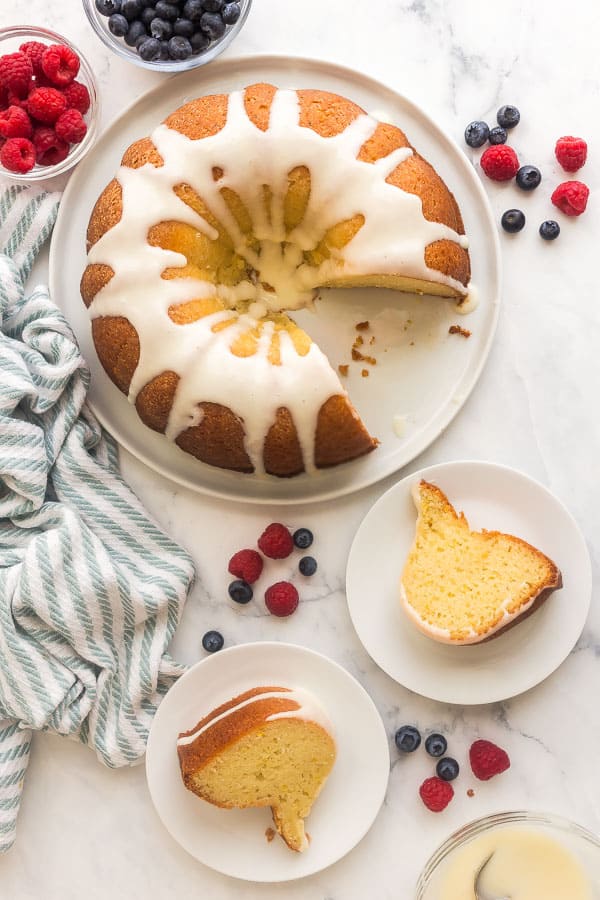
<point x="232" y="213"/>
<point x="464" y="587"/>
<point x="270" y="746"/>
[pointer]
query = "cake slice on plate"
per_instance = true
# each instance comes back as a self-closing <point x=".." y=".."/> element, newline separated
<point x="270" y="746"/>
<point x="464" y="587"/>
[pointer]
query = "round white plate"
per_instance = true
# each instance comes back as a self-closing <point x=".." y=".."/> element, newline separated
<point x="233" y="841"/>
<point x="493" y="497"/>
<point x="422" y="374"/>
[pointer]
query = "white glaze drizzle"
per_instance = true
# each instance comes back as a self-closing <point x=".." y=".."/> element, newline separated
<point x="341" y="187"/>
<point x="308" y="709"/>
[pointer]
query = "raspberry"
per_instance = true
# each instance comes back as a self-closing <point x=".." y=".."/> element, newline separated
<point x="16" y="73"/>
<point x="247" y="565"/>
<point x="487" y="760"/>
<point x="571" y="197"/>
<point x="14" y="100"/>
<point x="3" y="96"/>
<point x="281" y="599"/>
<point x="14" y="122"/>
<point x="33" y="51"/>
<point x="60" y="64"/>
<point x="70" y="126"/>
<point x="436" y="794"/>
<point x="276" y="542"/>
<point x="49" y="149"/>
<point x="18" y="155"/>
<point x="571" y="152"/>
<point x="500" y="163"/>
<point x="77" y="97"/>
<point x="46" y="104"/>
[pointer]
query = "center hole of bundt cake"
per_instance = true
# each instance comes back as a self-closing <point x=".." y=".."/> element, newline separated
<point x="266" y="251"/>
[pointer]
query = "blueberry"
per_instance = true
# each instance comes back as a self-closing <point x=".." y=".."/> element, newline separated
<point x="149" y="48"/>
<point x="407" y="738"/>
<point x="240" y="591"/>
<point x="498" y="135"/>
<point x="147" y="16"/>
<point x="213" y="25"/>
<point x="164" y="50"/>
<point x="549" y="230"/>
<point x="513" y="220"/>
<point x="213" y="6"/>
<point x="161" y="29"/>
<point x="131" y="9"/>
<point x="184" y="28"/>
<point x="230" y="13"/>
<point x="303" y="538"/>
<point x="199" y="41"/>
<point x="528" y="178"/>
<point x="118" y="25"/>
<point x="508" y="116"/>
<point x="136" y="30"/>
<point x="167" y="10"/>
<point x="108" y="7"/>
<point x="193" y="10"/>
<point x="213" y="641"/>
<point x="447" y="769"/>
<point x="307" y="565"/>
<point x="179" y="48"/>
<point x="436" y="744"/>
<point x="476" y="134"/>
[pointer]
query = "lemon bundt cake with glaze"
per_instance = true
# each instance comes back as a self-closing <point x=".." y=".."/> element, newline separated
<point x="270" y="746"/>
<point x="233" y="212"/>
<point x="464" y="587"/>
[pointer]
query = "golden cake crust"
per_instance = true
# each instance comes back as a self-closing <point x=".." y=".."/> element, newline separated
<point x="228" y="730"/>
<point x="219" y="438"/>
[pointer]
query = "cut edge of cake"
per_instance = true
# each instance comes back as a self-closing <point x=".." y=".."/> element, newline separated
<point x="436" y="511"/>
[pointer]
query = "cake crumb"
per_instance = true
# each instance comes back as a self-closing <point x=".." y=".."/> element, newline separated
<point x="399" y="425"/>
<point x="470" y="792"/>
<point x="270" y="834"/>
<point x="357" y="356"/>
<point x="362" y="326"/>
<point x="372" y="341"/>
<point x="358" y="342"/>
<point x="456" y="329"/>
<point x="343" y="370"/>
<point x="217" y="173"/>
<point x="365" y="373"/>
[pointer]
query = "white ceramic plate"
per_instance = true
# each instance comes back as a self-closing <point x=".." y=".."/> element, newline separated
<point x="423" y="373"/>
<point x="233" y="841"/>
<point x="492" y="497"/>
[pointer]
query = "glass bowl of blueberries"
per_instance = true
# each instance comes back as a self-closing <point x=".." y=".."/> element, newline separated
<point x="167" y="35"/>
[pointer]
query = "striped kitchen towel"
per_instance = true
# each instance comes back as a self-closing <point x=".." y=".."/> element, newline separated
<point x="91" y="589"/>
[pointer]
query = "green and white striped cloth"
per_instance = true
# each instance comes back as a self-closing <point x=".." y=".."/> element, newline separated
<point x="91" y="590"/>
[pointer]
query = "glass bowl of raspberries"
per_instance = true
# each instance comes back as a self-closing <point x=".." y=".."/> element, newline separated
<point x="48" y="104"/>
<point x="167" y="35"/>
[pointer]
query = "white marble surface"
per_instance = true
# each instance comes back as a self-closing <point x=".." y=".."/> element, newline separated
<point x="82" y="827"/>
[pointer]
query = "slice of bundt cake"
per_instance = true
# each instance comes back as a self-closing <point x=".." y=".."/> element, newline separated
<point x="270" y="746"/>
<point x="463" y="587"/>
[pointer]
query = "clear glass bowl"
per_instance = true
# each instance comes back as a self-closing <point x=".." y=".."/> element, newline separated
<point x="10" y="39"/>
<point x="582" y="844"/>
<point x="100" y="25"/>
